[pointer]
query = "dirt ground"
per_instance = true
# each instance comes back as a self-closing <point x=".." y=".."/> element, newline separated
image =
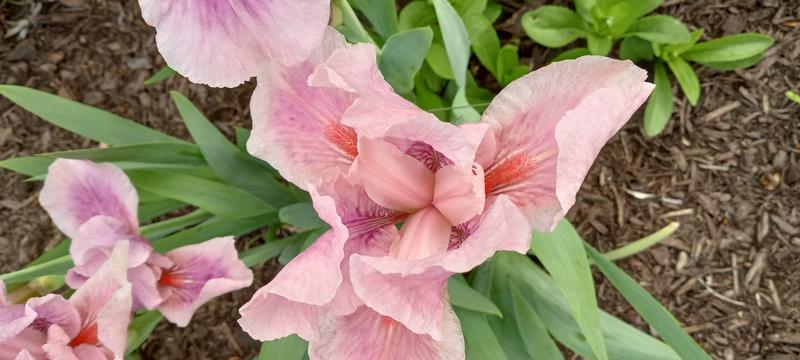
<point x="728" y="170"/>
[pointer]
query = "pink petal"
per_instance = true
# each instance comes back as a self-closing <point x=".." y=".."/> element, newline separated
<point x="78" y="190"/>
<point x="23" y="327"/>
<point x="105" y="231"/>
<point x="550" y="125"/>
<point x="354" y="69"/>
<point x="366" y="335"/>
<point x="200" y="273"/>
<point x="225" y="42"/>
<point x="296" y="127"/>
<point x="24" y="355"/>
<point x="391" y="178"/>
<point x="268" y="316"/>
<point x="28" y="340"/>
<point x="412" y="291"/>
<point x="424" y="234"/>
<point x="3" y="299"/>
<point x="459" y="192"/>
<point x="105" y="299"/>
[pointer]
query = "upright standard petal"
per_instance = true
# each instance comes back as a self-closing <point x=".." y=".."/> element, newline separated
<point x="459" y="192"/>
<point x="200" y="273"/>
<point x="297" y="127"/>
<point x="78" y="190"/>
<point x="354" y="69"/>
<point x="226" y="42"/>
<point x="391" y="178"/>
<point x="548" y="127"/>
<point x="367" y="335"/>
<point x="413" y="291"/>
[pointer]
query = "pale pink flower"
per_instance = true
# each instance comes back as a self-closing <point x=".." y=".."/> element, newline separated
<point x="96" y="205"/>
<point x="91" y="325"/>
<point x="226" y="42"/>
<point x="371" y="159"/>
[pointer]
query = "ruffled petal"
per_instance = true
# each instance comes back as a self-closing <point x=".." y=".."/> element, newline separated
<point x="354" y="69"/>
<point x="78" y="190"/>
<point x="225" y="42"/>
<point x="105" y="300"/>
<point x="391" y="178"/>
<point x="105" y="231"/>
<point x="550" y="125"/>
<point x="459" y="192"/>
<point x="367" y="335"/>
<point x="24" y="355"/>
<point x="200" y="273"/>
<point x="297" y="127"/>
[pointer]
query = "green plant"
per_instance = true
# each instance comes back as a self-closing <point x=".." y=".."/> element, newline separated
<point x="660" y="39"/>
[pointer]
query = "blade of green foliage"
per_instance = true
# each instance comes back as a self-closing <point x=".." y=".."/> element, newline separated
<point x="687" y="79"/>
<point x="382" y="14"/>
<point x="463" y="112"/>
<point x="464" y="7"/>
<point x="163" y="153"/>
<point x="215" y="197"/>
<point x="211" y="228"/>
<point x="598" y="45"/>
<point x="480" y="341"/>
<point x="635" y="49"/>
<point x="553" y="26"/>
<point x="263" y="253"/>
<point x="464" y="296"/>
<point x="140" y="329"/>
<point x="584" y="8"/>
<point x="351" y="27"/>
<point x="624" y="342"/>
<point x="659" y="106"/>
<point x="561" y="252"/>
<point x="662" y="29"/>
<point x="622" y="14"/>
<point x="82" y="119"/>
<point x="57" y="266"/>
<point x="678" y="49"/>
<point x="157" y="208"/>
<point x="508" y="67"/>
<point x="791" y="95"/>
<point x="456" y="40"/>
<point x="165" y="73"/>
<point x="533" y="331"/>
<point x="493" y="11"/>
<point x="297" y="246"/>
<point x="27" y="165"/>
<point x="301" y="215"/>
<point x="61" y="249"/>
<point x="571" y="54"/>
<point x="729" y="48"/>
<point x="160" y="229"/>
<point x="418" y="13"/>
<point x="402" y="57"/>
<point x="230" y="164"/>
<point x="736" y="64"/>
<point x="649" y="308"/>
<point x="291" y="347"/>
<point x="485" y="42"/>
<point x="642" y="244"/>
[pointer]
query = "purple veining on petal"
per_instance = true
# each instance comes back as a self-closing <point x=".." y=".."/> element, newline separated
<point x="186" y="280"/>
<point x="95" y="197"/>
<point x="425" y="153"/>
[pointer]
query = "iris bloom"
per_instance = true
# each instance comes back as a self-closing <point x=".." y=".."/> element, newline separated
<point x="372" y="160"/>
<point x="96" y="206"/>
<point x="224" y="42"/>
<point x="91" y="325"/>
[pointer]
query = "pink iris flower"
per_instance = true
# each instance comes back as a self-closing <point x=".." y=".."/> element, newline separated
<point x="225" y="42"/>
<point x="372" y="160"/>
<point x="96" y="206"/>
<point x="91" y="325"/>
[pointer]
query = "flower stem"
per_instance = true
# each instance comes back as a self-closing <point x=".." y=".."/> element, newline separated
<point x="643" y="243"/>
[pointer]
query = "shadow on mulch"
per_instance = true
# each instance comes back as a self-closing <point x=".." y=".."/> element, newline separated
<point x="728" y="170"/>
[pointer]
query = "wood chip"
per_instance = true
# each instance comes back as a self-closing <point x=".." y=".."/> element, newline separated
<point x="722" y="111"/>
<point x="785" y="226"/>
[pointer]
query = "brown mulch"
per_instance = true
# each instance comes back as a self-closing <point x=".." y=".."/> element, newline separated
<point x="728" y="170"/>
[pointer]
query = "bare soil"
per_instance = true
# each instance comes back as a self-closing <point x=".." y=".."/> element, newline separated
<point x="728" y="170"/>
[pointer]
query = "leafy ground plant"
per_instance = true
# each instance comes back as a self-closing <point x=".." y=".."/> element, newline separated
<point x="427" y="249"/>
<point x="659" y="39"/>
